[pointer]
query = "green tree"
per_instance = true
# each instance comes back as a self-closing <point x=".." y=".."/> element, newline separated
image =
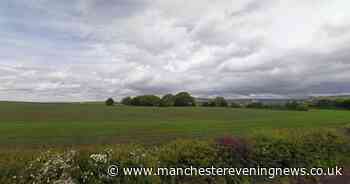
<point x="126" y="100"/>
<point x="167" y="100"/>
<point x="220" y="102"/>
<point x="257" y="105"/>
<point x="146" y="100"/>
<point x="109" y="102"/>
<point x="294" y="105"/>
<point x="184" y="99"/>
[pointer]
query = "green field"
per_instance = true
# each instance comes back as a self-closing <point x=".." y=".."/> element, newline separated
<point x="95" y="123"/>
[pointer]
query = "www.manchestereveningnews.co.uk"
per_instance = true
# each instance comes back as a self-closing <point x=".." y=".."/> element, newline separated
<point x="114" y="170"/>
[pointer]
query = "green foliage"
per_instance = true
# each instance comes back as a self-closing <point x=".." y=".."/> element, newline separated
<point x="217" y="102"/>
<point x="294" y="105"/>
<point x="109" y="102"/>
<point x="308" y="150"/>
<point x="220" y="102"/>
<point x="234" y="152"/>
<point x="331" y="103"/>
<point x="256" y="105"/>
<point x="146" y="100"/>
<point x="315" y="149"/>
<point x="184" y="154"/>
<point x="126" y="100"/>
<point x="291" y="105"/>
<point x="180" y="99"/>
<point x="167" y="100"/>
<point x="345" y="104"/>
<point x="184" y="99"/>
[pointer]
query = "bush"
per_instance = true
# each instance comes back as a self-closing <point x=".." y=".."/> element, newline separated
<point x="234" y="152"/>
<point x="305" y="150"/>
<point x="184" y="154"/>
<point x="314" y="149"/>
<point x="109" y="102"/>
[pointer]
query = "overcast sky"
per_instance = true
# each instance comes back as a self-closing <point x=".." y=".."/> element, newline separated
<point x="79" y="50"/>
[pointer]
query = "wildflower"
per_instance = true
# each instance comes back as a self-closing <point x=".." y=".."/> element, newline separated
<point x="99" y="158"/>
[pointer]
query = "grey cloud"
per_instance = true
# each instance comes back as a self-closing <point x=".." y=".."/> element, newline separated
<point x="90" y="50"/>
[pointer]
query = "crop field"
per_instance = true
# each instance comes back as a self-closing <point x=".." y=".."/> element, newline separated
<point x="95" y="123"/>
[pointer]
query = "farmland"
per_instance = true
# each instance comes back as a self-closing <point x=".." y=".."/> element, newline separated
<point x="28" y="124"/>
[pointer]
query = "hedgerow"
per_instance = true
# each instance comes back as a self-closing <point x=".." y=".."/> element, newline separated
<point x="315" y="149"/>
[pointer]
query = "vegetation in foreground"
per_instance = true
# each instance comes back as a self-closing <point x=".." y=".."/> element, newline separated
<point x="28" y="124"/>
<point x="281" y="150"/>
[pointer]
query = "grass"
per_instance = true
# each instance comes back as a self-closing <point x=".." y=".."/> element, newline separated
<point x="29" y="124"/>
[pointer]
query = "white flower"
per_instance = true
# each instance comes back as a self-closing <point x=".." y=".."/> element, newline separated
<point x="100" y="158"/>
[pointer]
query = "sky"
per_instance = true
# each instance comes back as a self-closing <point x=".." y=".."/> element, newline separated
<point x="86" y="50"/>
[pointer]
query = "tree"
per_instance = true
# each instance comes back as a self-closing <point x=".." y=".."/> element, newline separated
<point x="343" y="104"/>
<point x="294" y="105"/>
<point x="109" y="102"/>
<point x="212" y="103"/>
<point x="255" y="105"/>
<point x="167" y="100"/>
<point x="184" y="99"/>
<point x="126" y="100"/>
<point x="146" y="100"/>
<point x="220" y="102"/>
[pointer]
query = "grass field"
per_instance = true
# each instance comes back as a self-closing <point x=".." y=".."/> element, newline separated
<point x="94" y="123"/>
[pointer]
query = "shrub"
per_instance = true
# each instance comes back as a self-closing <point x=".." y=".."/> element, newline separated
<point x="313" y="149"/>
<point x="234" y="152"/>
<point x="52" y="167"/>
<point x="184" y="154"/>
<point x="324" y="148"/>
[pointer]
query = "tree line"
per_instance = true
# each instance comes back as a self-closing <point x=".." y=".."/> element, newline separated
<point x="183" y="99"/>
<point x="331" y="103"/>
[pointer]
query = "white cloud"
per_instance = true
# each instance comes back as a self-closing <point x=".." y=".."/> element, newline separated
<point x="90" y="50"/>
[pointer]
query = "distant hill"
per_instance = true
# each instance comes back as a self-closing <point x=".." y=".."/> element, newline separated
<point x="332" y="97"/>
<point x="268" y="101"/>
